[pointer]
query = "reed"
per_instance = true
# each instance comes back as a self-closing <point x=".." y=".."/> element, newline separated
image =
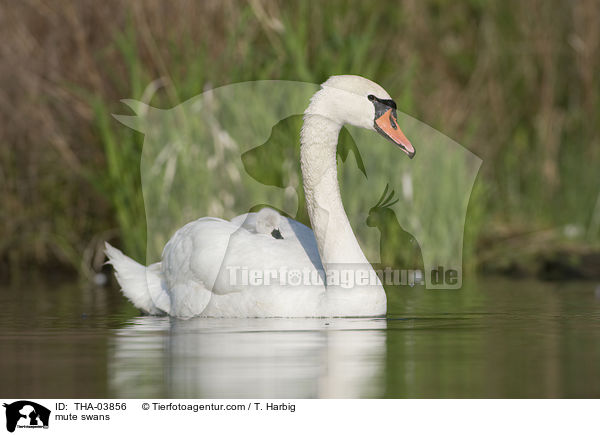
<point x="515" y="82"/>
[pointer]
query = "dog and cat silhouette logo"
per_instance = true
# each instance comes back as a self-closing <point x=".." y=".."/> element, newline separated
<point x="26" y="414"/>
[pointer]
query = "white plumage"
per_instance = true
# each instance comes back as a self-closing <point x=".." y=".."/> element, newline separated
<point x="203" y="264"/>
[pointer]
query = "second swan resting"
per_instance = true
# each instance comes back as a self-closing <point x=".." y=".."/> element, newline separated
<point x="199" y="274"/>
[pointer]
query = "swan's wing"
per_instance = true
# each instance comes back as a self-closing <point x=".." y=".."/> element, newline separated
<point x="191" y="262"/>
<point x="156" y="288"/>
<point x="206" y="256"/>
<point x="246" y="220"/>
<point x="292" y="229"/>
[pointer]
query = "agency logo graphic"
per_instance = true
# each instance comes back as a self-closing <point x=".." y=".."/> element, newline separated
<point x="25" y="414"/>
<point x="237" y="148"/>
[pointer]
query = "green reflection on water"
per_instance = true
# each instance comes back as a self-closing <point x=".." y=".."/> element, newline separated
<point x="495" y="338"/>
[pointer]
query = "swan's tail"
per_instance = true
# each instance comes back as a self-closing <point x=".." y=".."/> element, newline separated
<point x="140" y="284"/>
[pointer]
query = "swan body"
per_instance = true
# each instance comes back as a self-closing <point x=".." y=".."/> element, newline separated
<point x="267" y="265"/>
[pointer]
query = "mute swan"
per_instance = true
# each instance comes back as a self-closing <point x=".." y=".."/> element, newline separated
<point x="203" y="264"/>
<point x="266" y="221"/>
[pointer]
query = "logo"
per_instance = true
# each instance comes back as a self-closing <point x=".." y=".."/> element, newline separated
<point x="237" y="148"/>
<point x="26" y="414"/>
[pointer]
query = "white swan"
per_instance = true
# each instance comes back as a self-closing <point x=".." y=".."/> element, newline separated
<point x="217" y="268"/>
<point x="266" y="221"/>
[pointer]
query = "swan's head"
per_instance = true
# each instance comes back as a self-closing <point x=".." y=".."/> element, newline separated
<point x="360" y="102"/>
<point x="267" y="222"/>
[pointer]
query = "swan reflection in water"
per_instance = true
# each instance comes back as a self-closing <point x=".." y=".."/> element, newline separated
<point x="261" y="358"/>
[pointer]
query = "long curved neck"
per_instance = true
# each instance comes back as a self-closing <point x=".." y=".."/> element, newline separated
<point x="335" y="239"/>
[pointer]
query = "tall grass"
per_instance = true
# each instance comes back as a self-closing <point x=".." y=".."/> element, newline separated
<point x="515" y="82"/>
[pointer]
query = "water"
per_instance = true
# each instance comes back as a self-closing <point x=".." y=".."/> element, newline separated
<point x="496" y="338"/>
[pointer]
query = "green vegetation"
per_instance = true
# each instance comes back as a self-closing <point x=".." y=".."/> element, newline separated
<point x="515" y="82"/>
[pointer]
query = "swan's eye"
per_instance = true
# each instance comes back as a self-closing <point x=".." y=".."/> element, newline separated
<point x="379" y="102"/>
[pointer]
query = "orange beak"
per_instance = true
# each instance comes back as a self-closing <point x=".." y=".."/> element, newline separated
<point x="387" y="126"/>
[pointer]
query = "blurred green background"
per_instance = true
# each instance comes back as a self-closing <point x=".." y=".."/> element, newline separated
<point x="516" y="82"/>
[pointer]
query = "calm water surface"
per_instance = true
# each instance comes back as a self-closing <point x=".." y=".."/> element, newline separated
<point x="497" y="338"/>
